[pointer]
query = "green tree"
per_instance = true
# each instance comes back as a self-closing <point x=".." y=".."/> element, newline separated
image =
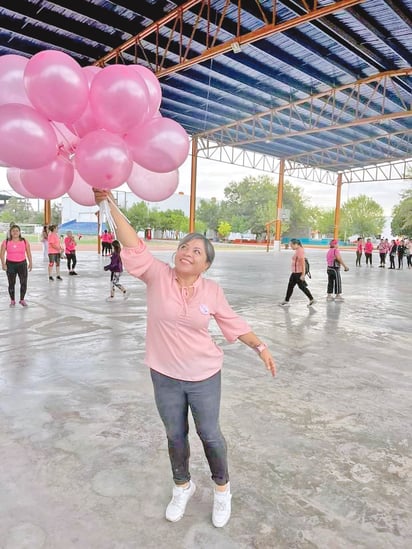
<point x="56" y="214"/>
<point x="252" y="202"/>
<point x="324" y="221"/>
<point x="19" y="210"/>
<point x="363" y="216"/>
<point x="138" y="215"/>
<point x="224" y="229"/>
<point x="402" y="215"/>
<point x="208" y="212"/>
<point x="173" y="220"/>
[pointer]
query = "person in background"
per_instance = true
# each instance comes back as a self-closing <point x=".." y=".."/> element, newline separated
<point x="381" y="247"/>
<point x="298" y="274"/>
<point x="185" y="361"/>
<point x="54" y="249"/>
<point x="392" y="254"/>
<point x="116" y="268"/>
<point x="70" y="252"/>
<point x="16" y="260"/>
<point x="45" y="243"/>
<point x="408" y="244"/>
<point x="110" y="239"/>
<point x="334" y="261"/>
<point x="401" y="250"/>
<point x="359" y="250"/>
<point x="368" y="252"/>
<point x="104" y="240"/>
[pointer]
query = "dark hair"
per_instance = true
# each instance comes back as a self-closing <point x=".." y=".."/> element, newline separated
<point x="296" y="241"/>
<point x="209" y="249"/>
<point x="116" y="246"/>
<point x="14" y="226"/>
<point x="52" y="227"/>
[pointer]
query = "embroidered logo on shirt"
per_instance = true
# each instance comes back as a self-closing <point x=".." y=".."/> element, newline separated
<point x="204" y="309"/>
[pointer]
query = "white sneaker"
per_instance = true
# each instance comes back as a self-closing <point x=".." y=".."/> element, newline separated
<point x="339" y="298"/>
<point x="177" y="506"/>
<point x="221" y="507"/>
<point x="311" y="302"/>
<point x="284" y="304"/>
<point x="329" y="297"/>
<point x="110" y="298"/>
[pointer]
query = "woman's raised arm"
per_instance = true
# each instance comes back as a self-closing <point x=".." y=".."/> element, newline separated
<point x="124" y="231"/>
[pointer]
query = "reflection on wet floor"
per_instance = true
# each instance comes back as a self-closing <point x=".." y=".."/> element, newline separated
<point x="319" y="457"/>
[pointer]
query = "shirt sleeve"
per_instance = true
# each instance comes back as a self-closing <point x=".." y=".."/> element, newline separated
<point x="229" y="322"/>
<point x="137" y="260"/>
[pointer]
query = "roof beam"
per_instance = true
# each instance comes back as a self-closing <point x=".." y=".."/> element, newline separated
<point x="212" y="48"/>
<point x="354" y="111"/>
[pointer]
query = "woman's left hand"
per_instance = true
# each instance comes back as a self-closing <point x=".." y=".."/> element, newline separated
<point x="269" y="361"/>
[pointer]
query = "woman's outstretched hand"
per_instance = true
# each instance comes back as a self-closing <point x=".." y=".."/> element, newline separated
<point x="101" y="194"/>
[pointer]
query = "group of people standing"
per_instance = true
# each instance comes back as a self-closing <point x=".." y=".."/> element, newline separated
<point x="55" y="247"/>
<point x="395" y="249"/>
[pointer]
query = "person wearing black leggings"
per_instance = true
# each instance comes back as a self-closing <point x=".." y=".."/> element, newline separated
<point x="392" y="254"/>
<point x="16" y="260"/>
<point x="297" y="276"/>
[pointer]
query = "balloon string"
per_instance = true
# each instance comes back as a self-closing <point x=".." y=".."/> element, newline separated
<point x="69" y="146"/>
<point x="106" y="214"/>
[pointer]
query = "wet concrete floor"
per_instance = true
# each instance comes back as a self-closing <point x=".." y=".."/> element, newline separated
<point x="320" y="457"/>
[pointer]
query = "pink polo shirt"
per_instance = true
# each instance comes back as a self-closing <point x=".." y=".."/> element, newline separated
<point x="178" y="342"/>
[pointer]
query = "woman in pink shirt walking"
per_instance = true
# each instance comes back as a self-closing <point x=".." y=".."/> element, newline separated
<point x="184" y="361"/>
<point x="298" y="274"/>
<point x="16" y="260"/>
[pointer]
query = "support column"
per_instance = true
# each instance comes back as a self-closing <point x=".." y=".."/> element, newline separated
<point x="99" y="231"/>
<point x="337" y="207"/>
<point x="47" y="212"/>
<point x="193" y="179"/>
<point x="278" y="222"/>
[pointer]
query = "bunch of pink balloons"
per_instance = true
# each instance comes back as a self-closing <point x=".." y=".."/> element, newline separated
<point x="66" y="129"/>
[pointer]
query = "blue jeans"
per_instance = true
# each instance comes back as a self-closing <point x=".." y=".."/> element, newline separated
<point x="173" y="399"/>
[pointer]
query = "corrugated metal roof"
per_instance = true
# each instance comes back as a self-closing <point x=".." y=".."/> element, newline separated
<point x="370" y="38"/>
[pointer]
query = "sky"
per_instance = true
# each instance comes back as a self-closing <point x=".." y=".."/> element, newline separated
<point x="213" y="177"/>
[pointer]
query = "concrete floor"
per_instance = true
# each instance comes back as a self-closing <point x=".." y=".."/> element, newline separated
<point x="320" y="457"/>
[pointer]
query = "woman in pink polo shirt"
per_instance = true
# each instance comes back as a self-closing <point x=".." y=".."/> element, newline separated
<point x="184" y="361"/>
<point x="16" y="260"/>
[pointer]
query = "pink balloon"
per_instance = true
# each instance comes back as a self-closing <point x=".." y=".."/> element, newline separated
<point x="161" y="145"/>
<point x="103" y="159"/>
<point x="56" y="85"/>
<point x="153" y="87"/>
<point x="12" y="88"/>
<point x="27" y="140"/>
<point x="119" y="98"/>
<point x="87" y="121"/>
<point x="80" y="192"/>
<point x="50" y="181"/>
<point x="152" y="186"/>
<point x="14" y="179"/>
